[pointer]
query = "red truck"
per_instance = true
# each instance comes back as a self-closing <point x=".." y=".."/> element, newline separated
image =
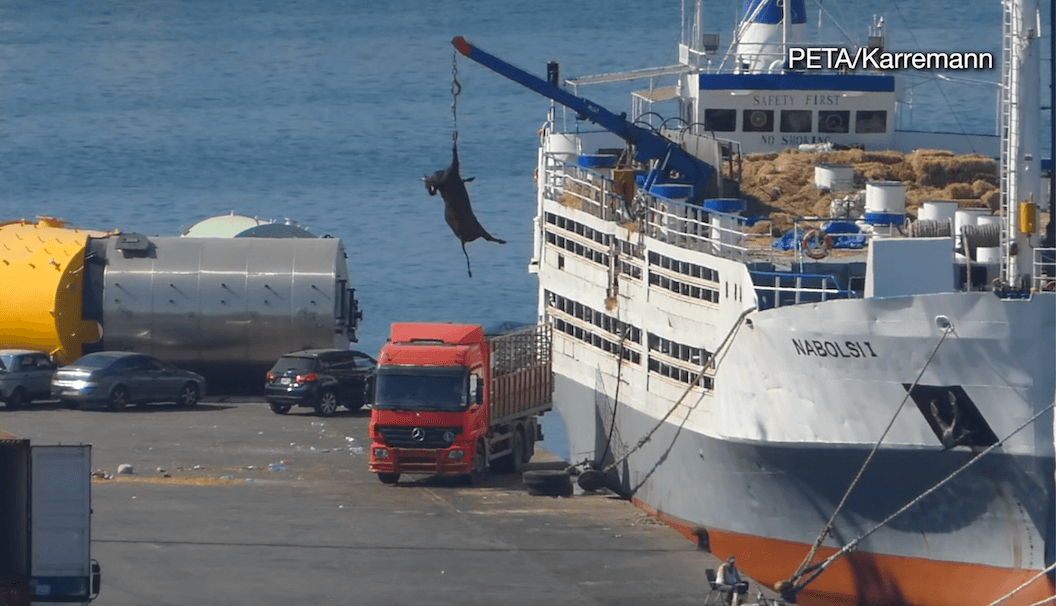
<point x="451" y="400"/>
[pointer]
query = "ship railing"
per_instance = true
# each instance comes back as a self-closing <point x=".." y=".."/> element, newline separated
<point x="1043" y="271"/>
<point x="694" y="228"/>
<point x="582" y="189"/>
<point x="673" y="221"/>
<point x="778" y="288"/>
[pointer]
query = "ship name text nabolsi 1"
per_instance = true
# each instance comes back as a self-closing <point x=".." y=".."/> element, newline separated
<point x="833" y="349"/>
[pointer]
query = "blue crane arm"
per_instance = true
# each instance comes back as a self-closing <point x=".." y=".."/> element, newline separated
<point x="648" y="145"/>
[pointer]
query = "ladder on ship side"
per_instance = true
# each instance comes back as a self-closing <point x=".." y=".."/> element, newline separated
<point x="1004" y="128"/>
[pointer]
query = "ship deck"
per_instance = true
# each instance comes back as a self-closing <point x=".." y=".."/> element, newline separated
<point x="812" y="247"/>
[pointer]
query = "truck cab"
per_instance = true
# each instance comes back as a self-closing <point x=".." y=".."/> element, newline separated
<point x="441" y="405"/>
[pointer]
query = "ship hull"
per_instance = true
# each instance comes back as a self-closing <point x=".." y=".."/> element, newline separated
<point x="757" y="464"/>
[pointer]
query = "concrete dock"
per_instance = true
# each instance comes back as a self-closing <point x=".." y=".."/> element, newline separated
<point x="230" y="503"/>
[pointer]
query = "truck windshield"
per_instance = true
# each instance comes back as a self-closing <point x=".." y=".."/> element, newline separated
<point x="422" y="388"/>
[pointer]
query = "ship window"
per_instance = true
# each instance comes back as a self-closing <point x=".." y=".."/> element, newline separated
<point x="795" y="121"/>
<point x="758" y="121"/>
<point x="721" y="120"/>
<point x="834" y="121"/>
<point x="870" y="122"/>
<point x="686" y="354"/>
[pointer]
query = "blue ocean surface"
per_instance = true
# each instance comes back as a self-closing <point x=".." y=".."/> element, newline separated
<point x="152" y="115"/>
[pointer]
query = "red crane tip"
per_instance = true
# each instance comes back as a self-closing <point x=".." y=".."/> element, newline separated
<point x="461" y="44"/>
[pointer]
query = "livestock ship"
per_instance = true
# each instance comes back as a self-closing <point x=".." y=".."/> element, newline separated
<point x="862" y="417"/>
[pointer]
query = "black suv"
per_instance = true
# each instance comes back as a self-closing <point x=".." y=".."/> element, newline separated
<point x="321" y="378"/>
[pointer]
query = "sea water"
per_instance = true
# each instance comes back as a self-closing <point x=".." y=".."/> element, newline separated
<point x="152" y="115"/>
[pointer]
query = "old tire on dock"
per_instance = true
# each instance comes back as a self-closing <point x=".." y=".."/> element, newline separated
<point x="548" y="482"/>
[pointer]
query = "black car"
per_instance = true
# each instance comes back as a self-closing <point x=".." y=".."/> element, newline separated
<point x="25" y="375"/>
<point x="322" y="379"/>
<point x="119" y="378"/>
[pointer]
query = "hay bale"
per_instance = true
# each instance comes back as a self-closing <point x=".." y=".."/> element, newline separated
<point x="958" y="191"/>
<point x="784" y="183"/>
<point x="941" y="170"/>
<point x="781" y="222"/>
<point x="991" y="199"/>
<point x="980" y="187"/>
<point x="760" y="228"/>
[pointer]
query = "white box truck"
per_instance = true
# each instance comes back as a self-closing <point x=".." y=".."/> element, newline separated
<point x="45" y="524"/>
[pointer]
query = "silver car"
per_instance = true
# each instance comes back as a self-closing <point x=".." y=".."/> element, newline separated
<point x="119" y="378"/>
<point x="25" y="375"/>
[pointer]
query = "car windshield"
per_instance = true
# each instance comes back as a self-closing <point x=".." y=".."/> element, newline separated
<point x="6" y="360"/>
<point x="296" y="364"/>
<point x="422" y="388"/>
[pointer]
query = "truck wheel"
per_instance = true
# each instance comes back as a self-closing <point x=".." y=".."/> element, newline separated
<point x="480" y="464"/>
<point x="118" y="398"/>
<point x="514" y="462"/>
<point x="17" y="399"/>
<point x="327" y="403"/>
<point x="548" y="482"/>
<point x="389" y="478"/>
<point x="520" y="452"/>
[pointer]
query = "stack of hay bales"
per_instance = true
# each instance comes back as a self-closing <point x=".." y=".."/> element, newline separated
<point x="782" y="185"/>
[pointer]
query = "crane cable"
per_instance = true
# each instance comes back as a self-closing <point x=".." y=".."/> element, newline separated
<point x="861" y="471"/>
<point x="789" y="593"/>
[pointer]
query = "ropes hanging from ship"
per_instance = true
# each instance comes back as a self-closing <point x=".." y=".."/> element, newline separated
<point x="1024" y="586"/>
<point x="805" y="565"/>
<point x="807" y="572"/>
<point x="594" y="478"/>
<point x="791" y="587"/>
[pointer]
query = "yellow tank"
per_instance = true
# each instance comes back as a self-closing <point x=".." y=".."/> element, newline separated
<point x="1028" y="217"/>
<point x="42" y="272"/>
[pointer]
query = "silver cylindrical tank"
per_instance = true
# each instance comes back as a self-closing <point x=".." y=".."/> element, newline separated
<point x="225" y="304"/>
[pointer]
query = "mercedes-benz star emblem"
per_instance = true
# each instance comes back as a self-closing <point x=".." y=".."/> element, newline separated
<point x="418" y="434"/>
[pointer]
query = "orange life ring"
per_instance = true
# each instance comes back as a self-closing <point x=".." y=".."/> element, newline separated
<point x="816" y="244"/>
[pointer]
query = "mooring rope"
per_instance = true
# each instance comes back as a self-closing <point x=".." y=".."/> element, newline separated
<point x="851" y="546"/>
<point x="700" y="375"/>
<point x="616" y="395"/>
<point x="1045" y="601"/>
<point x="1024" y="585"/>
<point x="861" y="471"/>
